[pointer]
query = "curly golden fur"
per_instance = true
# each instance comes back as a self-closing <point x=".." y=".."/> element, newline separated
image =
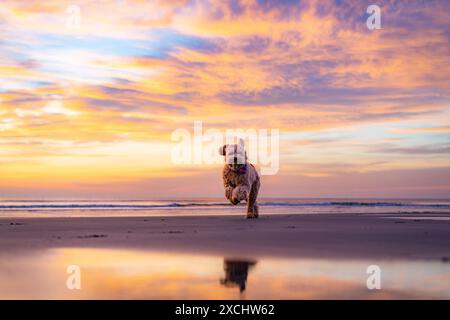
<point x="240" y="186"/>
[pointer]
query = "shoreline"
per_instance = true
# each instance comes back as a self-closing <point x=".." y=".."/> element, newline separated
<point x="337" y="236"/>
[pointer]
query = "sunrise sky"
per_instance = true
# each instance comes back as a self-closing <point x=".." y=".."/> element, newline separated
<point x="88" y="112"/>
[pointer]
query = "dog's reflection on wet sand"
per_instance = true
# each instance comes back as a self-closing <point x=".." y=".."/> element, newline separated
<point x="236" y="272"/>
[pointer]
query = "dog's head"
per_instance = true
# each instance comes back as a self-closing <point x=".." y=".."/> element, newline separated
<point x="235" y="156"/>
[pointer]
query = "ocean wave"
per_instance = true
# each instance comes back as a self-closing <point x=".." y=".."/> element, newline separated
<point x="86" y="206"/>
<point x="136" y="206"/>
<point x="354" y="204"/>
<point x="107" y="206"/>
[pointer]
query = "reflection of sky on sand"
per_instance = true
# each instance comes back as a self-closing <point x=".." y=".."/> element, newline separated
<point x="128" y="274"/>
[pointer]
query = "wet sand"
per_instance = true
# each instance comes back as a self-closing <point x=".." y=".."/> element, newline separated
<point x="346" y="236"/>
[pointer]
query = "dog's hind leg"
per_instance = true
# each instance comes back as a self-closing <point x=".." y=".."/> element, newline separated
<point x="252" y="206"/>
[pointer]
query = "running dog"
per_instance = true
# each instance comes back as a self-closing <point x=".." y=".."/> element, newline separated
<point x="240" y="178"/>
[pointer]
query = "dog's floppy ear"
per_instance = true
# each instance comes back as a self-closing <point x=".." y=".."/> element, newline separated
<point x="222" y="150"/>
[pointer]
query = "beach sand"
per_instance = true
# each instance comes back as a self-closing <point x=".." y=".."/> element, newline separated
<point x="387" y="236"/>
<point x="294" y="256"/>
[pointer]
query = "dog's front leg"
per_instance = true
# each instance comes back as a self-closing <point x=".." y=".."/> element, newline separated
<point x="229" y="193"/>
<point x="240" y="193"/>
<point x="249" y="206"/>
<point x="252" y="206"/>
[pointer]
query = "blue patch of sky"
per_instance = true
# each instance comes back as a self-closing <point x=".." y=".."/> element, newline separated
<point x="159" y="44"/>
<point x="421" y="137"/>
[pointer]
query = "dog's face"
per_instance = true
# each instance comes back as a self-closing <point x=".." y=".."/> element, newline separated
<point x="236" y="166"/>
<point x="235" y="156"/>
